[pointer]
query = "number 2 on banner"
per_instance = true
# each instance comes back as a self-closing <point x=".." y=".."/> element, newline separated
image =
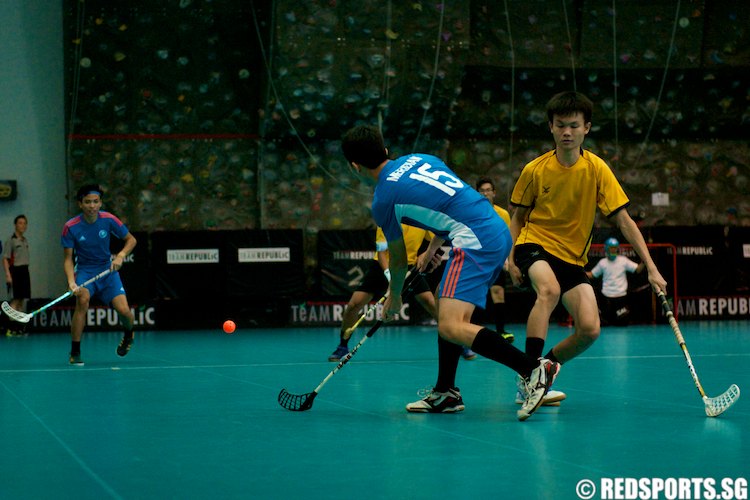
<point x="435" y="179"/>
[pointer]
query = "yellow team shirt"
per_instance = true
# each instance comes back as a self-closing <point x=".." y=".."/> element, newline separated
<point x="563" y="203"/>
<point x="413" y="238"/>
<point x="502" y="213"/>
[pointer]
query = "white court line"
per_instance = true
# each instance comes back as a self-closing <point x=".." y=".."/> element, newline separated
<point x="65" y="446"/>
<point x="70" y="369"/>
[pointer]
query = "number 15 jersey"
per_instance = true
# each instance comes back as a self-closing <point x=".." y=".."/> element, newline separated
<point x="420" y="190"/>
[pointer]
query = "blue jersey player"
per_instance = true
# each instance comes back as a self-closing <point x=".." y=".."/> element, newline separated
<point x="420" y="190"/>
<point x="87" y="235"/>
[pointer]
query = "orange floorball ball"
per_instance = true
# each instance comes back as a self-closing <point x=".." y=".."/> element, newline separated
<point x="229" y="326"/>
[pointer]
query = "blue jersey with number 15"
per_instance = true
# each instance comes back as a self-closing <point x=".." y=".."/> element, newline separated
<point x="420" y="190"/>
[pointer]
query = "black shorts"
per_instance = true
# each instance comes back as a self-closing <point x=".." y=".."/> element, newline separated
<point x="568" y="275"/>
<point x="375" y="282"/>
<point x="500" y="281"/>
<point x="21" y="282"/>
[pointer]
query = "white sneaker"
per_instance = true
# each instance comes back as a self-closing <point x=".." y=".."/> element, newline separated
<point x="537" y="385"/>
<point x="552" y="398"/>
<point x="438" y="402"/>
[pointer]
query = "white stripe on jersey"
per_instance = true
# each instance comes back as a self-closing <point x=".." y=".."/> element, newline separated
<point x="460" y="235"/>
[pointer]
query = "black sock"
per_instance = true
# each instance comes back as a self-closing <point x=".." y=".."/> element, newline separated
<point x="75" y="347"/>
<point x="551" y="356"/>
<point x="128" y="334"/>
<point x="344" y="342"/>
<point x="448" y="356"/>
<point x="534" y="347"/>
<point x="499" y="312"/>
<point x="493" y="346"/>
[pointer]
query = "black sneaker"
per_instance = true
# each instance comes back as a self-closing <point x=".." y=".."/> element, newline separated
<point x="75" y="359"/>
<point x="438" y="402"/>
<point x="339" y="353"/>
<point x="124" y="346"/>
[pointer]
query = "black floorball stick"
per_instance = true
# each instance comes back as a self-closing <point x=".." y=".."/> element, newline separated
<point x="714" y="406"/>
<point x="303" y="402"/>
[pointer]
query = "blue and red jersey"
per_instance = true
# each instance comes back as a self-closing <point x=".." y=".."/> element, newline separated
<point x="91" y="240"/>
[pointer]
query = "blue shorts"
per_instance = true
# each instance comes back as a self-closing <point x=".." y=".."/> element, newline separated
<point x="470" y="273"/>
<point x="106" y="288"/>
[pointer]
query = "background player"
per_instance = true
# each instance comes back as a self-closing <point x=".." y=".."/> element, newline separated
<point x="486" y="188"/>
<point x="88" y="235"/>
<point x="556" y="198"/>
<point x="375" y="282"/>
<point x="613" y="269"/>
<point x="16" y="264"/>
<point x="420" y="190"/>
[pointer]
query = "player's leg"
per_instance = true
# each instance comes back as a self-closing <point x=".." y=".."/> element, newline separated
<point x="426" y="299"/>
<point x="580" y="302"/>
<point x="464" y="285"/>
<point x="112" y="292"/>
<point x="547" y="288"/>
<point x="541" y="274"/>
<point x="621" y="310"/>
<point x="497" y="296"/>
<point x="120" y="304"/>
<point x="77" y="324"/>
<point x="373" y="283"/>
<point x="21" y="293"/>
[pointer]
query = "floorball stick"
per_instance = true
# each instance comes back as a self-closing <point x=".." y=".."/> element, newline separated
<point x="23" y="317"/>
<point x="302" y="402"/>
<point x="714" y="406"/>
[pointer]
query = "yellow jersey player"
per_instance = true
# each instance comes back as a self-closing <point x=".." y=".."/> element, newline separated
<point x="555" y="201"/>
<point x="486" y="188"/>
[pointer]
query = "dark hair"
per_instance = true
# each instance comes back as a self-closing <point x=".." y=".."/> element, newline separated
<point x="21" y="216"/>
<point x="485" y="180"/>
<point x="569" y="103"/>
<point x="89" y="189"/>
<point x="364" y="146"/>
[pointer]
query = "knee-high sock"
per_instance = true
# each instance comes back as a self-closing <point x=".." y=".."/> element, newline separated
<point x="448" y="356"/>
<point x="534" y="347"/>
<point x="493" y="346"/>
<point x="499" y="312"/>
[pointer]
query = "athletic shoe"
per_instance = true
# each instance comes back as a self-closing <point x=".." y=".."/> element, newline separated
<point x="468" y="354"/>
<point x="537" y="385"/>
<point x="508" y="336"/>
<point x="125" y="345"/>
<point x="75" y="359"/>
<point x="339" y="353"/>
<point x="552" y="398"/>
<point x="438" y="402"/>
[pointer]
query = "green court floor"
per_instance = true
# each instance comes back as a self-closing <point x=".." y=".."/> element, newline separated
<point x="193" y="414"/>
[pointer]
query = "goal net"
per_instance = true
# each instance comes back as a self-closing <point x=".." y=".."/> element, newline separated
<point x="642" y="303"/>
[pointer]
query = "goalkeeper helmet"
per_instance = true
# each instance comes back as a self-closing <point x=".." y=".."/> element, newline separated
<point x="611" y="248"/>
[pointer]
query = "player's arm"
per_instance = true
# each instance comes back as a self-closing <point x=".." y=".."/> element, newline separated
<point x="128" y="247"/>
<point x="69" y="269"/>
<point x="517" y="222"/>
<point x="428" y="261"/>
<point x="397" y="264"/>
<point x="631" y="232"/>
<point x="382" y="257"/>
<point x="381" y="252"/>
<point x="6" y="265"/>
